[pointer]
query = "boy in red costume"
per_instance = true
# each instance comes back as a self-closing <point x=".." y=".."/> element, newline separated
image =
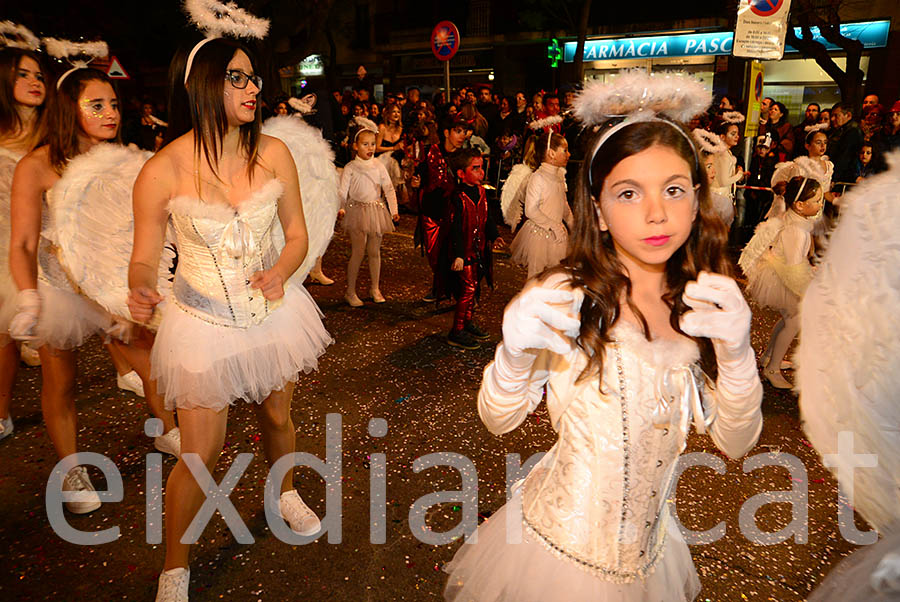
<point x="470" y="238"/>
<point x="437" y="188"/>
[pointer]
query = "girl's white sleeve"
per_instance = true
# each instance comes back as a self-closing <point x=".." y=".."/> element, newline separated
<point x="737" y="398"/>
<point x="388" y="187"/>
<point x="512" y="387"/>
<point x="568" y="217"/>
<point x="534" y="200"/>
<point x="344" y="187"/>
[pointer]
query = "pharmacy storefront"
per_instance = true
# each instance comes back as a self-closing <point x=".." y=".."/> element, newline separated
<point x="792" y="80"/>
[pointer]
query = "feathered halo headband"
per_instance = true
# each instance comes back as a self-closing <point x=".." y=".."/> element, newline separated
<point x="635" y="96"/>
<point x="546" y="122"/>
<point x="14" y="35"/>
<point x="816" y="127"/>
<point x="364" y="125"/>
<point x="734" y="117"/>
<point x="216" y="19"/>
<point x="304" y="105"/>
<point x="78" y="54"/>
<point x="708" y="142"/>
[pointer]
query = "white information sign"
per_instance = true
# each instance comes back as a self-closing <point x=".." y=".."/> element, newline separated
<point x="761" y="28"/>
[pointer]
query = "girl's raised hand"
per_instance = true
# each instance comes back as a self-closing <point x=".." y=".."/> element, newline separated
<point x="141" y="301"/>
<point x="541" y="318"/>
<point x="718" y="312"/>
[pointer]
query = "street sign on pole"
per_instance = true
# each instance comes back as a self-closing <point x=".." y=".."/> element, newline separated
<point x="115" y="69"/>
<point x="761" y="28"/>
<point x="754" y="99"/>
<point x="444" y="44"/>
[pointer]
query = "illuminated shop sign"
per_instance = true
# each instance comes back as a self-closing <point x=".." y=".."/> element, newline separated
<point x="872" y="34"/>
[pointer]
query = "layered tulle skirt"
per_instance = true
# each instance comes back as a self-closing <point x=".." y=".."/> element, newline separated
<point x="369" y="217"/>
<point x="198" y="364"/>
<point x="537" y="248"/>
<point x="767" y="287"/>
<point x="67" y="319"/>
<point x="495" y="570"/>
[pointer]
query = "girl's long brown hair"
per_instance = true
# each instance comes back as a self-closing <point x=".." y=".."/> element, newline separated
<point x="593" y="266"/>
<point x="11" y="126"/>
<point x="64" y="128"/>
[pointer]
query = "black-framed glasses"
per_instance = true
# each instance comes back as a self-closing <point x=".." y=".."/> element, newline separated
<point x="239" y="79"/>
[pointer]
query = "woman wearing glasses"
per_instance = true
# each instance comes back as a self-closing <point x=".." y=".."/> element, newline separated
<point x="236" y="327"/>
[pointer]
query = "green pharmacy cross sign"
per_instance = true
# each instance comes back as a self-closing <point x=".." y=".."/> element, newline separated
<point x="554" y="52"/>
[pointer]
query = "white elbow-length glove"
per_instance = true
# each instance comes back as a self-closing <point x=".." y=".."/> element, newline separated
<point x="720" y="312"/>
<point x="538" y="318"/>
<point x="28" y="310"/>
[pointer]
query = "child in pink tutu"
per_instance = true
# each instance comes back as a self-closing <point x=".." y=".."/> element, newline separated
<point x="366" y="219"/>
<point x="619" y="337"/>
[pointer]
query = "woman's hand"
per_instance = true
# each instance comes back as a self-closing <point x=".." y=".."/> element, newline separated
<point x="28" y="310"/>
<point x="541" y="318"/>
<point x="141" y="303"/>
<point x="270" y="282"/>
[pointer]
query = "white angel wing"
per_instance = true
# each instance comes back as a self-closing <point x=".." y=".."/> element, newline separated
<point x="848" y="360"/>
<point x="92" y="224"/>
<point x="763" y="237"/>
<point x="512" y="196"/>
<point x="318" y="184"/>
<point x="784" y="172"/>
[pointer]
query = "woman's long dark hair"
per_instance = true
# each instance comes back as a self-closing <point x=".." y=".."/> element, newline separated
<point x="64" y="126"/>
<point x="593" y="265"/>
<point x="11" y="125"/>
<point x="205" y="104"/>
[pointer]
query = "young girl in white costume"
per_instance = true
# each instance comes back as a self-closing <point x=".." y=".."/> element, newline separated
<point x="617" y="337"/>
<point x="776" y="262"/>
<point x="543" y="240"/>
<point x="366" y="219"/>
<point x="23" y="122"/>
<point x="710" y="147"/>
<point x="236" y="327"/>
<point x="815" y="165"/>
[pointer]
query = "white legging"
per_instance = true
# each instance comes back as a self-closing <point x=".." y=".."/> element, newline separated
<point x="782" y="336"/>
<point x="362" y="243"/>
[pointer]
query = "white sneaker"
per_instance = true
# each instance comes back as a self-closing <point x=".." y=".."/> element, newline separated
<point x="173" y="585"/>
<point x="28" y="355"/>
<point x="83" y="497"/>
<point x="170" y="443"/>
<point x="302" y="520"/>
<point x="131" y="382"/>
<point x="6" y="427"/>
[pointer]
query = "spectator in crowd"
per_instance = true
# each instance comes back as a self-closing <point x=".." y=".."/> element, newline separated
<point x="726" y="104"/>
<point x="873" y="121"/>
<point x="764" y="107"/>
<point x="781" y="131"/>
<point x="869" y="101"/>
<point x="825" y="117"/>
<point x="490" y="111"/>
<point x="762" y="166"/>
<point x="865" y="166"/>
<point x="810" y="117"/>
<point x="844" y="142"/>
<point x="888" y="139"/>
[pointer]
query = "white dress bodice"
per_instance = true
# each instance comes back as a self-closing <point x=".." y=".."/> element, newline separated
<point x="545" y="198"/>
<point x="598" y="497"/>
<point x="219" y="248"/>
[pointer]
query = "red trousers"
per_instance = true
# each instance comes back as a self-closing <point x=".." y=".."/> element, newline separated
<point x="465" y="304"/>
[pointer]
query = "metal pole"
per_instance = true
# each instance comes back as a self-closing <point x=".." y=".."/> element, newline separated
<point x="447" y="79"/>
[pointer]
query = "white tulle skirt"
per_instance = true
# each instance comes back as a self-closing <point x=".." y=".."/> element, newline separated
<point x="369" y="217"/>
<point x="198" y="364"/>
<point x="766" y="287"/>
<point x="493" y="570"/>
<point x="537" y="248"/>
<point x="67" y="319"/>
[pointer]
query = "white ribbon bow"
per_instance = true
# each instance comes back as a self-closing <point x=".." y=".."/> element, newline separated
<point x="237" y="238"/>
<point x="667" y="389"/>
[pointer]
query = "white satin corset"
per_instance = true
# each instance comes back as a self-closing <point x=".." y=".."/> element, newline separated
<point x="50" y="270"/>
<point x="219" y="248"/>
<point x="598" y="498"/>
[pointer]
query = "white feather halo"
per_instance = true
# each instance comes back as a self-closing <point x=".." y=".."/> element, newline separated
<point x="18" y="36"/>
<point x="734" y="117"/>
<point x="304" y="105"/>
<point x="364" y="124"/>
<point x="675" y="95"/>
<point x="550" y="121"/>
<point x="216" y="19"/>
<point x="707" y="141"/>
<point x="66" y="49"/>
<point x="816" y="127"/>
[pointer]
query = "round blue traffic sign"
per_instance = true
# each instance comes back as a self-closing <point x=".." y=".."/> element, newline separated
<point x="765" y="8"/>
<point x="444" y="40"/>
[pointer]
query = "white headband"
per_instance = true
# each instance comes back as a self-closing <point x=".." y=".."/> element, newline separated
<point x="193" y="53"/>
